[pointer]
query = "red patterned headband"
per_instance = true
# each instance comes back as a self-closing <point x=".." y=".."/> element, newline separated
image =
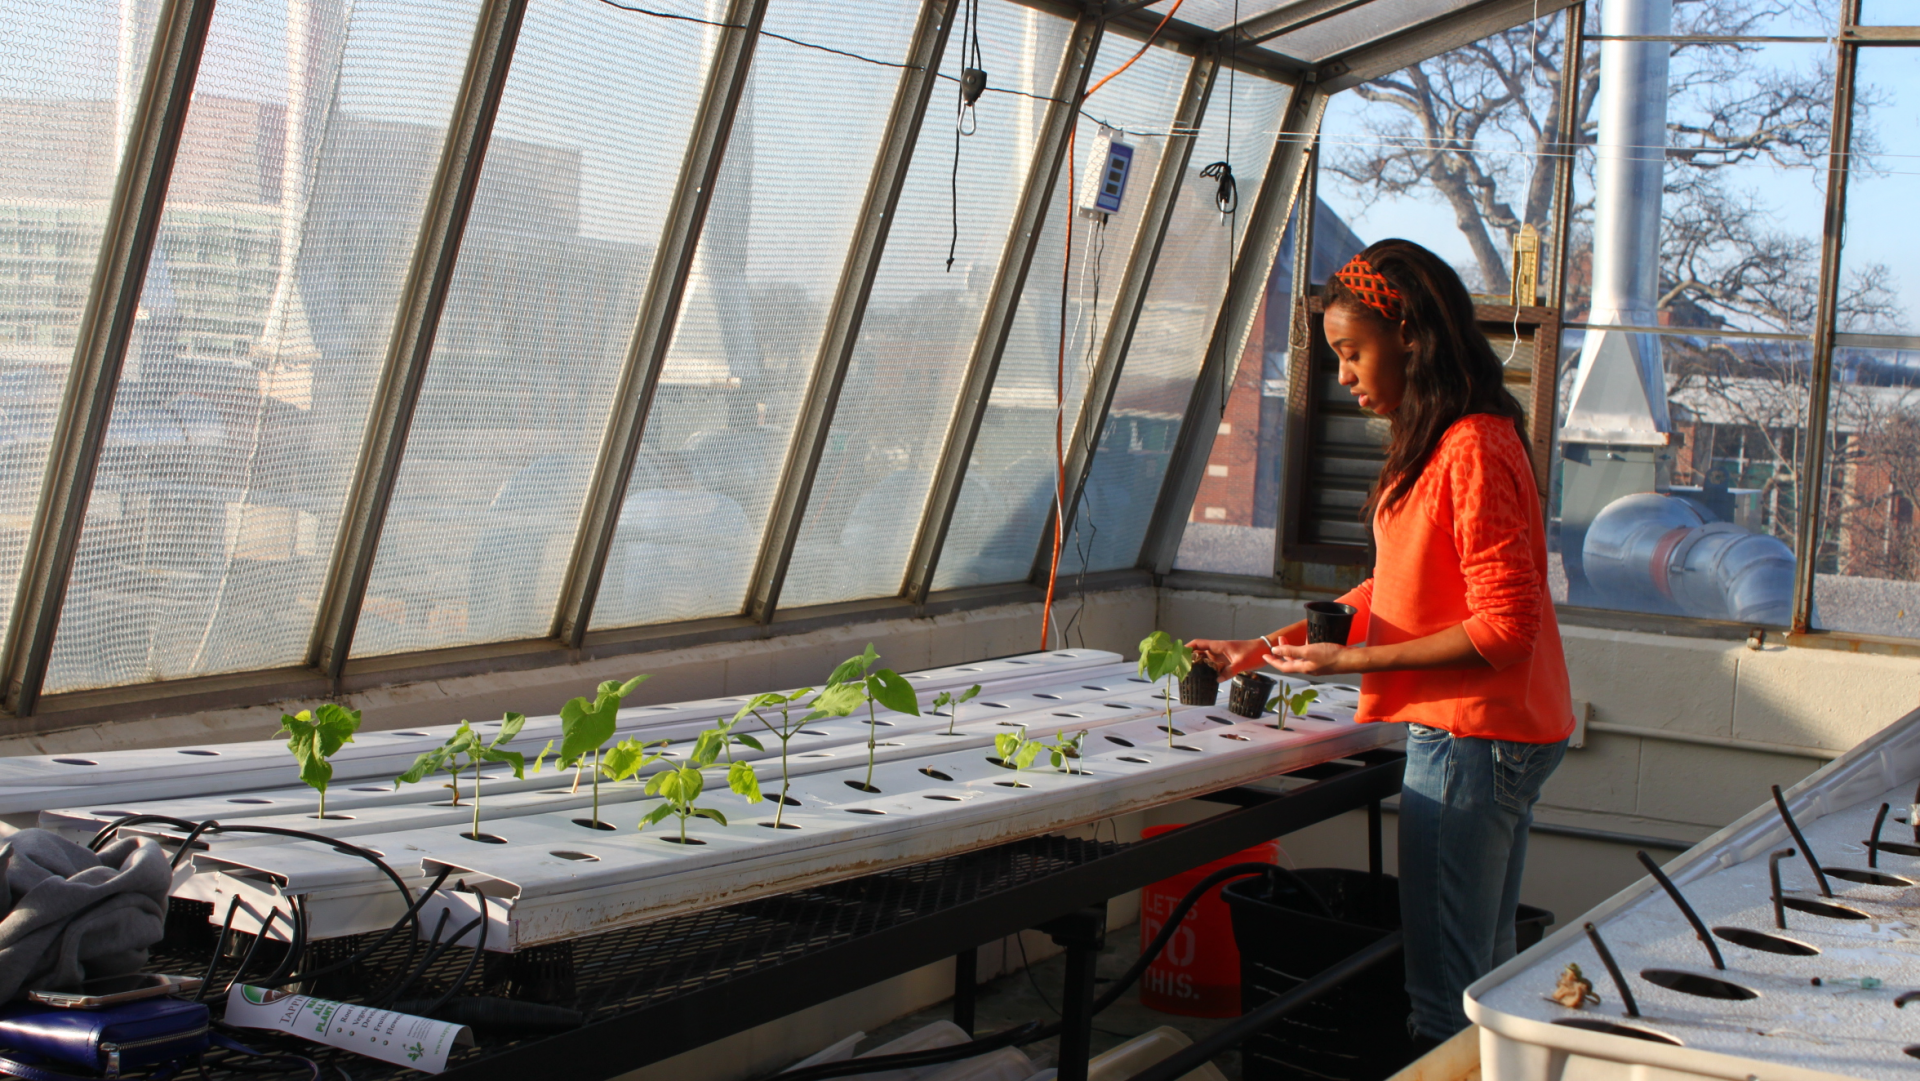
<point x="1370" y="287"/>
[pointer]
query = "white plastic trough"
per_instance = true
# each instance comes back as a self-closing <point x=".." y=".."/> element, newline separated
<point x="1794" y="1030"/>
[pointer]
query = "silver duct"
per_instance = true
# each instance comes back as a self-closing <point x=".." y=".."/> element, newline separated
<point x="1666" y="553"/>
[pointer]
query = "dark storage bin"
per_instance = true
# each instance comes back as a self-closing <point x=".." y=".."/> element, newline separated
<point x="1291" y="926"/>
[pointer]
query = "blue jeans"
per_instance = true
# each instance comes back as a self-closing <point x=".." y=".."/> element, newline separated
<point x="1465" y="808"/>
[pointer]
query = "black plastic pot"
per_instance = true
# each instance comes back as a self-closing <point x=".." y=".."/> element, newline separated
<point x="1249" y="695"/>
<point x="1201" y="687"/>
<point x="1329" y="621"/>
<point x="1292" y="925"/>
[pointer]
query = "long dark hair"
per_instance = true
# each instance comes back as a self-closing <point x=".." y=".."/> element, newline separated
<point x="1452" y="371"/>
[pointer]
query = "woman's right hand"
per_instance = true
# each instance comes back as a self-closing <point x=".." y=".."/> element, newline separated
<point x="1230" y="657"/>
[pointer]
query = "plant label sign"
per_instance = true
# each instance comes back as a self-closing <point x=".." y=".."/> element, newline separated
<point x="400" y="1038"/>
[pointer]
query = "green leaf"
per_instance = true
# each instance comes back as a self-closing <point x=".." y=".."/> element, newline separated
<point x="1026" y="755"/>
<point x="740" y="778"/>
<point x="749" y="741"/>
<point x="542" y="756"/>
<point x="626" y="759"/>
<point x="972" y="693"/>
<point x="840" y="700"/>
<point x="631" y="686"/>
<point x="513" y="758"/>
<point x="708" y="812"/>
<point x="853" y="668"/>
<point x="1057" y="758"/>
<point x="944" y="698"/>
<point x="891" y="689"/>
<point x="1299" y="702"/>
<point x="654" y="816"/>
<point x="427" y="762"/>
<point x="510" y="726"/>
<point x="1162" y="655"/>
<point x="586" y="726"/>
<point x="1006" y="743"/>
<point x="335" y="726"/>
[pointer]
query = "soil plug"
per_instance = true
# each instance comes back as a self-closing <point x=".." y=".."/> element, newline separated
<point x="1574" y="990"/>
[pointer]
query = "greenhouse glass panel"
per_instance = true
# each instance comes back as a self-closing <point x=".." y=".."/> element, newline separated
<point x="573" y="198"/>
<point x="69" y="82"/>
<point x="1867" y="579"/>
<point x="1010" y="483"/>
<point x="923" y="317"/>
<point x="1175" y="328"/>
<point x="302" y="175"/>
<point x="1219" y="14"/>
<point x="1889" y="13"/>
<point x="785" y="207"/>
<point x="1367" y="23"/>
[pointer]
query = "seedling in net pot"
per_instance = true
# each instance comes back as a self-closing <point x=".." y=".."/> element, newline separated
<point x="467" y="743"/>
<point x="1283" y="704"/>
<point x="947" y="698"/>
<point x="1167" y="660"/>
<point x="854" y="681"/>
<point x="313" y="736"/>
<point x="784" y="732"/>
<point x="679" y="787"/>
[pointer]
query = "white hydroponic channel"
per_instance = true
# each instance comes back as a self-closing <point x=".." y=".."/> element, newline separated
<point x="1794" y="1028"/>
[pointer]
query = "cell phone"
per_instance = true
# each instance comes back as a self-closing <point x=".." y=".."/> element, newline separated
<point x="110" y="990"/>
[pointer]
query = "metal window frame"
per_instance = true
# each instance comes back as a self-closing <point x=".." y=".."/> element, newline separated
<point x="1279" y="190"/>
<point x="1003" y="301"/>
<point x="1287" y="18"/>
<point x="1813" y="469"/>
<point x="1567" y="117"/>
<point x="106" y="326"/>
<point x="1410" y="45"/>
<point x="1129" y="299"/>
<point x="844" y="318"/>
<point x="423" y="299"/>
<point x="658" y="316"/>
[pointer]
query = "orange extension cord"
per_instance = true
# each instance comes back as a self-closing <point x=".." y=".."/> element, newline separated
<point x="1060" y="367"/>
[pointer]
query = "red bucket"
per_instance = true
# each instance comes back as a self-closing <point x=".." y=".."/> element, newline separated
<point x="1198" y="974"/>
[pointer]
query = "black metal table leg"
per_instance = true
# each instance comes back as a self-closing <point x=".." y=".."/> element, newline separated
<point x="1082" y="934"/>
<point x="966" y="980"/>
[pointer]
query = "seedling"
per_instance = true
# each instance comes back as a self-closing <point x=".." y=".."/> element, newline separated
<point x="467" y="743"/>
<point x="1016" y="750"/>
<point x="948" y="699"/>
<point x="855" y="681"/>
<point x="1065" y="750"/>
<point x="740" y="776"/>
<point x="627" y="758"/>
<point x="313" y="736"/>
<point x="1166" y="659"/>
<point x="678" y="788"/>
<point x="784" y="732"/>
<point x="585" y="727"/>
<point x="1283" y="704"/>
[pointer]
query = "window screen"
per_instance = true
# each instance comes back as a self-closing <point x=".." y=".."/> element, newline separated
<point x="776" y="237"/>
<point x="923" y="317"/>
<point x="313" y="136"/>
<point x="573" y="198"/>
<point x="1010" y="482"/>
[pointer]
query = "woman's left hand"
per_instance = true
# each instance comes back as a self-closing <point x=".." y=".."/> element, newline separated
<point x="1315" y="659"/>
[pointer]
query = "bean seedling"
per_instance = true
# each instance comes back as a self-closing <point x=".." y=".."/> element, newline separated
<point x="1283" y="704"/>
<point x="784" y="732"/>
<point x="468" y="743"/>
<point x="1016" y="750"/>
<point x="1066" y="750"/>
<point x="586" y="726"/>
<point x="1165" y="659"/>
<point x="740" y="775"/>
<point x="855" y="681"/>
<point x="948" y="699"/>
<point x="679" y="787"/>
<point x="313" y="736"/>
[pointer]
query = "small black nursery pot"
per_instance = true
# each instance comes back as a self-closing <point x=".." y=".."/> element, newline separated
<point x="1201" y="687"/>
<point x="1249" y="695"/>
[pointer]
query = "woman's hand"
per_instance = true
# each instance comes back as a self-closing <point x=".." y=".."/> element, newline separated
<point x="1230" y="657"/>
<point x="1317" y="659"/>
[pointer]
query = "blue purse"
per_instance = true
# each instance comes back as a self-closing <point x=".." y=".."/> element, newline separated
<point x="130" y="1037"/>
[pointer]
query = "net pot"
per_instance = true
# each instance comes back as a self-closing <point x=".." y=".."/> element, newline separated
<point x="1201" y="687"/>
<point x="1249" y="695"/>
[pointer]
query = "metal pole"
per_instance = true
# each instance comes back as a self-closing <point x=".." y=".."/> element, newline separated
<point x="106" y="325"/>
<point x="1129" y="299"/>
<point x="416" y="322"/>
<point x="983" y="366"/>
<point x="815" y="419"/>
<point x="1564" y="148"/>
<point x="1299" y="351"/>
<point x="659" y="312"/>
<point x="1811" y="478"/>
<point x="1278" y="191"/>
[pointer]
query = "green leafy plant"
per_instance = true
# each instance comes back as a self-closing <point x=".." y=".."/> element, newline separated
<point x="855" y="681"/>
<point x="313" y="736"/>
<point x="740" y="776"/>
<point x="466" y="749"/>
<point x="1165" y="659"/>
<point x="784" y="732"/>
<point x="1066" y="750"/>
<point x="1283" y="704"/>
<point x="679" y="787"/>
<point x="585" y="728"/>
<point x="1016" y="750"/>
<point x="948" y="699"/>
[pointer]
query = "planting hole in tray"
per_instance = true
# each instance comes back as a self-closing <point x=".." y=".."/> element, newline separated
<point x="996" y="705"/>
<point x="810" y="732"/>
<point x="201" y="753"/>
<point x="1913" y="1050"/>
<point x="683" y="841"/>
<point x="788" y="800"/>
<point x="483" y="838"/>
<point x="1237" y="737"/>
<point x="783" y="825"/>
<point x="1048" y="697"/>
<point x="1073" y="715"/>
<point x="1013" y="784"/>
<point x="1165" y="728"/>
<point x="1894" y="847"/>
<point x="369" y="788"/>
<point x="334" y="818"/>
<point x="1822" y="908"/>
<point x="861" y="786"/>
<point x="245" y="800"/>
<point x="1692" y="983"/>
<point x="76" y="761"/>
<point x="410" y="733"/>
<point x="1868" y="878"/>
<point x="865" y="810"/>
<point x="125" y="814"/>
<point x="943" y="799"/>
<point x="1217" y="719"/>
<point x="578" y="857"/>
<point x="1020" y="662"/>
<point x="1122" y="742"/>
<point x="592" y="825"/>
<point x="881" y="723"/>
<point x="1010" y="724"/>
<point x="1136" y="758"/>
<point x="818" y="754"/>
<point x="1116" y="705"/>
<point x="1612" y="1028"/>
<point x="934" y="773"/>
<point x="1137" y="679"/>
<point x="1090" y="687"/>
<point x="1761" y="940"/>
<point x="966" y="669"/>
<point x="1184" y="747"/>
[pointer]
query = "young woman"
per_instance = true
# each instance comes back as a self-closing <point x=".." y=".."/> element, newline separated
<point x="1455" y="632"/>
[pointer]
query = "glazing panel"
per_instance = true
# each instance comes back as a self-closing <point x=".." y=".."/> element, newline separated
<point x="1364" y="24"/>
<point x="1880" y="259"/>
<point x="784" y="210"/>
<point x="297" y="196"/>
<point x="69" y="77"/>
<point x="572" y="201"/>
<point x="924" y="316"/>
<point x="1175" y="327"/>
<point x="1011" y="481"/>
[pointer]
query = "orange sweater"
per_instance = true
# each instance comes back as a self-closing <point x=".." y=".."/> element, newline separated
<point x="1467" y="545"/>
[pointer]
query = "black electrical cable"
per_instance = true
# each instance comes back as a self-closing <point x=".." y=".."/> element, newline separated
<point x="412" y="913"/>
<point x="1020" y="1034"/>
<point x="432" y="947"/>
<point x="479" y="949"/>
<point x="219" y="947"/>
<point x="295" y="949"/>
<point x="247" y="957"/>
<point x="186" y="845"/>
